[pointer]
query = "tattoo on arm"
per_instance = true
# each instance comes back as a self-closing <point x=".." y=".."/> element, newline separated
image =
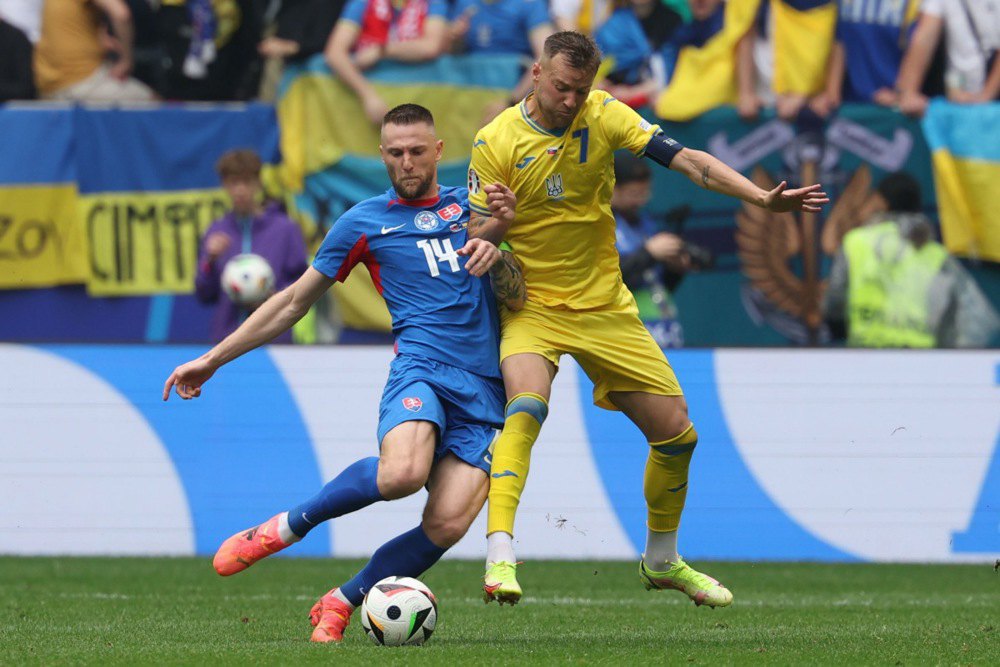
<point x="508" y="281"/>
<point x="476" y="221"/>
<point x="704" y="175"/>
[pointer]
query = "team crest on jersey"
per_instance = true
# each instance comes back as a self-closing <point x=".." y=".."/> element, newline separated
<point x="450" y="212"/>
<point x="554" y="186"/>
<point x="473" y="182"/>
<point x="426" y="221"/>
<point x="412" y="403"/>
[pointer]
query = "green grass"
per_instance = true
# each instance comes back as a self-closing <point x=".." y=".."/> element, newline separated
<point x="177" y="611"/>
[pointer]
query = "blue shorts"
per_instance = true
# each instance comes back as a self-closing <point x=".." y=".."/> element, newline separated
<point x="467" y="408"/>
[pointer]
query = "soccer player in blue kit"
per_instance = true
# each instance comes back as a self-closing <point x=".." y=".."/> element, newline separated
<point x="443" y="402"/>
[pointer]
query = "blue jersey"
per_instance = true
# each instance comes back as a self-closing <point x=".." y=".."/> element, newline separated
<point x="501" y="26"/>
<point x="439" y="311"/>
<point x="874" y="34"/>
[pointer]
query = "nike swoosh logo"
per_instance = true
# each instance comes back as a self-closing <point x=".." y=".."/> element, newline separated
<point x="386" y="230"/>
<point x="505" y="473"/>
<point x="524" y="162"/>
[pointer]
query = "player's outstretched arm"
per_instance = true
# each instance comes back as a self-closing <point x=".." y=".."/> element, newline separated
<point x="713" y="174"/>
<point x="274" y="317"/>
<point x="502" y="204"/>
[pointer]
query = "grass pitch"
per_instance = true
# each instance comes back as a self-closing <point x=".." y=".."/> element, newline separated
<point x="177" y="611"/>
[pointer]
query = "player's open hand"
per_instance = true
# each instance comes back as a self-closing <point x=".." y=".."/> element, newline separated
<point x="482" y="256"/>
<point x="781" y="200"/>
<point x="501" y="201"/>
<point x="188" y="379"/>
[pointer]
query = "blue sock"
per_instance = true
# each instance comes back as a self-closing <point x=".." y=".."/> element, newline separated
<point x="355" y="487"/>
<point x="408" y="555"/>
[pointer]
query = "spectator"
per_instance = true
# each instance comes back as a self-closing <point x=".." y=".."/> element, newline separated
<point x="370" y="30"/>
<point x="70" y="55"/>
<point x="658" y="20"/>
<point x="25" y="15"/>
<point x="782" y="60"/>
<point x="211" y="49"/>
<point x="248" y="228"/>
<point x="653" y="261"/>
<point x="892" y="285"/>
<point x="16" y="76"/>
<point x="864" y="64"/>
<point x="585" y="16"/>
<point x="972" y="72"/>
<point x="516" y="27"/>
<point x="303" y="27"/>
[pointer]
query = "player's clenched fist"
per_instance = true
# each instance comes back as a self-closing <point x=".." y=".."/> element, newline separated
<point x="501" y="201"/>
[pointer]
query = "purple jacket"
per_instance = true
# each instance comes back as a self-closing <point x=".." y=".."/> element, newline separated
<point x="274" y="237"/>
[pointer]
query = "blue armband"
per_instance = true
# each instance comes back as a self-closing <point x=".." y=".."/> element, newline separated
<point x="662" y="149"/>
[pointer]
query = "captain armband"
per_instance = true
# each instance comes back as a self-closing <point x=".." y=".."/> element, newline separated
<point x="662" y="149"/>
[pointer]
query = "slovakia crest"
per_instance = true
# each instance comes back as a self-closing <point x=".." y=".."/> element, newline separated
<point x="450" y="212"/>
<point x="412" y="403"/>
<point x="425" y="221"/>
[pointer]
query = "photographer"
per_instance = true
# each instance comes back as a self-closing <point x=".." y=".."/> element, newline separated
<point x="653" y="261"/>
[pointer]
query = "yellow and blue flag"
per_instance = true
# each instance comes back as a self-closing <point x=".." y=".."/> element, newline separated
<point x="966" y="175"/>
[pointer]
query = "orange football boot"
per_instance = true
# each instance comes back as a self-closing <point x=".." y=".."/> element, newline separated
<point x="330" y="617"/>
<point x="247" y="547"/>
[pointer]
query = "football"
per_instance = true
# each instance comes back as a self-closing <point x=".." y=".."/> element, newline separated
<point x="248" y="280"/>
<point x="399" y="611"/>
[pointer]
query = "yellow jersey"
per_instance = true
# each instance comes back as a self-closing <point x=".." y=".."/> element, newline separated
<point x="564" y="231"/>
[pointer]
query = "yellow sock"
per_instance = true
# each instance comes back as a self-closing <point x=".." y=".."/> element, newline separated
<point x="511" y="457"/>
<point x="665" y="481"/>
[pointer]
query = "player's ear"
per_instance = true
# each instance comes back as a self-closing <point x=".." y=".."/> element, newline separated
<point x="536" y="71"/>
<point x="438" y="149"/>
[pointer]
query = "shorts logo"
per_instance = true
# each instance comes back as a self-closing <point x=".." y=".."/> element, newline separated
<point x="554" y="186"/>
<point x="412" y="403"/>
<point x="450" y="212"/>
<point x="473" y="182"/>
<point x="426" y="221"/>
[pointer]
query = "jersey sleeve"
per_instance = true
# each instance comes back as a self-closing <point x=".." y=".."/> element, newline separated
<point x="623" y="127"/>
<point x="437" y="9"/>
<point x="354" y="11"/>
<point x="483" y="170"/>
<point x="344" y="246"/>
<point x="537" y="13"/>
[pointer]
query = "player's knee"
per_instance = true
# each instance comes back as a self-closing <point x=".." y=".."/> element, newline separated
<point x="398" y="479"/>
<point x="445" y="531"/>
<point x="530" y="404"/>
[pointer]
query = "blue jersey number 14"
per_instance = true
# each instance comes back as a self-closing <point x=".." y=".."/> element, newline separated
<point x="437" y="252"/>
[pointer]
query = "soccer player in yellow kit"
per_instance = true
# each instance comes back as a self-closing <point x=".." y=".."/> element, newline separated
<point x="555" y="151"/>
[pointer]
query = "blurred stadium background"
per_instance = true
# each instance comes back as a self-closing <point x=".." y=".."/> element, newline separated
<point x="809" y="451"/>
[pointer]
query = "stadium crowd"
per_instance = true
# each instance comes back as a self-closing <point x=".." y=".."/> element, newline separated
<point x="786" y="54"/>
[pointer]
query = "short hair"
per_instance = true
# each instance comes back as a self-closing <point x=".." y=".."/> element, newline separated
<point x="630" y="169"/>
<point x="901" y="192"/>
<point x="580" y="51"/>
<point x="407" y="114"/>
<point x="239" y="163"/>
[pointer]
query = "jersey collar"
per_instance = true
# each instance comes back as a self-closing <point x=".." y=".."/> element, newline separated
<point x="415" y="203"/>
<point x="535" y="126"/>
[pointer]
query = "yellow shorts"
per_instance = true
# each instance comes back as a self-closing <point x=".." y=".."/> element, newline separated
<point x="611" y="345"/>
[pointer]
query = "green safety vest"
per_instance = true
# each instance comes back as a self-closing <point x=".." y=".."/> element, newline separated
<point x="888" y="283"/>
